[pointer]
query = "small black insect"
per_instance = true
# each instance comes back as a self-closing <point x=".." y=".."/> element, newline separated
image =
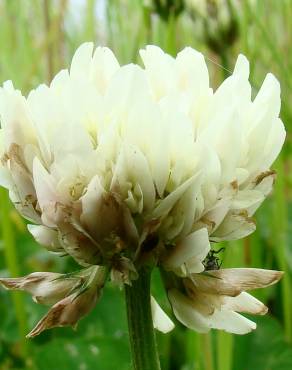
<point x="212" y="261"/>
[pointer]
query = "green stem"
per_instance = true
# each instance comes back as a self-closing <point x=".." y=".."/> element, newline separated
<point x="141" y="332"/>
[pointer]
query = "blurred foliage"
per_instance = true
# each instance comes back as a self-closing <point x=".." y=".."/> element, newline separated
<point x="37" y="38"/>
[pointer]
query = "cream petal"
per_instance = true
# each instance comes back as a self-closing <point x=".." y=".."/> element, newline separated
<point x="104" y="65"/>
<point x="161" y="321"/>
<point x="274" y="143"/>
<point x="132" y="174"/>
<point x="241" y="175"/>
<point x="268" y="98"/>
<point x="264" y="184"/>
<point x="242" y="67"/>
<point x="138" y="170"/>
<point x="160" y="70"/>
<point x="225" y="138"/>
<point x="45" y="185"/>
<point x="233" y="281"/>
<point x="15" y="117"/>
<point x="61" y="79"/>
<point x="185" y="212"/>
<point x="145" y="128"/>
<point x="127" y="88"/>
<point x="46" y="236"/>
<point x="236" y="225"/>
<point x="231" y="322"/>
<point x="265" y="130"/>
<point x="5" y="178"/>
<point x="215" y="216"/>
<point x="208" y="303"/>
<point x="245" y="302"/>
<point x="81" y="61"/>
<point x="246" y="198"/>
<point x="192" y="70"/>
<point x="167" y="203"/>
<point x="191" y="251"/>
<point x="186" y="313"/>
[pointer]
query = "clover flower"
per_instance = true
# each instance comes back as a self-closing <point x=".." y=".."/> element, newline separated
<point x="217" y="21"/>
<point x="123" y="167"/>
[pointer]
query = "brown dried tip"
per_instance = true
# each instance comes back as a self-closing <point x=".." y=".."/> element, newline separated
<point x="233" y="281"/>
<point x="45" y="287"/>
<point x="67" y="312"/>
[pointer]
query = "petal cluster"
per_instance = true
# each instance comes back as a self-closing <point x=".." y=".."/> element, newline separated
<point x="72" y="295"/>
<point x="119" y="166"/>
<point x="215" y="298"/>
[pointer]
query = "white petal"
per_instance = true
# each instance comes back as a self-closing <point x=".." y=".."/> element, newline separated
<point x="268" y="98"/>
<point x="231" y="322"/>
<point x="104" y="65"/>
<point x="132" y="174"/>
<point x="242" y="67"/>
<point x="81" y="61"/>
<point x="185" y="212"/>
<point x="191" y="251"/>
<point x="60" y="79"/>
<point x="5" y="178"/>
<point x="127" y="88"/>
<point x="45" y="185"/>
<point x="161" y="321"/>
<point x="45" y="236"/>
<point x="274" y="143"/>
<point x="246" y="198"/>
<point x="167" y="203"/>
<point x="264" y="182"/>
<point x="236" y="225"/>
<point x="185" y="312"/>
<point x="160" y="70"/>
<point x="245" y="302"/>
<point x="192" y="70"/>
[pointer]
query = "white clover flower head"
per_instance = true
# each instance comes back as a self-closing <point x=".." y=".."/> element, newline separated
<point x="123" y="166"/>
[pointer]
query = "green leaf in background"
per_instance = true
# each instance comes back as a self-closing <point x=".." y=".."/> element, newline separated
<point x="265" y="349"/>
<point x="81" y="354"/>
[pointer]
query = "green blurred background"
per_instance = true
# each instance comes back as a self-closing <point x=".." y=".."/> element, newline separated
<point x="37" y="38"/>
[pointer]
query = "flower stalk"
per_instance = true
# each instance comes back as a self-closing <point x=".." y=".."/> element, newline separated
<point x="140" y="324"/>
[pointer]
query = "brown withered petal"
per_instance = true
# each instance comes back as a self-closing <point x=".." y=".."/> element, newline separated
<point x="207" y="303"/>
<point x="45" y="287"/>
<point x="246" y="303"/>
<point x="233" y="281"/>
<point x="123" y="271"/>
<point x="97" y="201"/>
<point x="26" y="282"/>
<point x="78" y="245"/>
<point x="67" y="312"/>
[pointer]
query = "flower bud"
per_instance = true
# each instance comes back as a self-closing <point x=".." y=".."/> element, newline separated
<point x="218" y="19"/>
